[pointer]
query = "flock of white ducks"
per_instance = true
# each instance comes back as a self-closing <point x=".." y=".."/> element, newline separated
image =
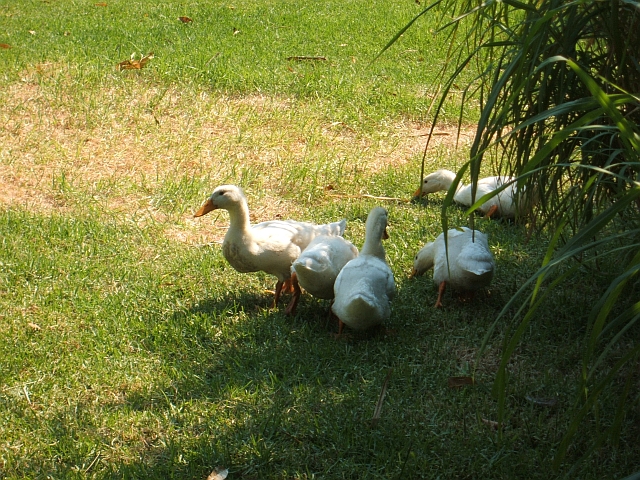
<point x="327" y="266"/>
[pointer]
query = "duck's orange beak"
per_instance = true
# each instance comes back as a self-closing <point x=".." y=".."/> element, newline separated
<point x="418" y="193"/>
<point x="414" y="273"/>
<point x="205" y="208"/>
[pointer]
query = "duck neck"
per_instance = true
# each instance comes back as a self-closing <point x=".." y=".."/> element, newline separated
<point x="373" y="246"/>
<point x="239" y="218"/>
<point x="449" y="181"/>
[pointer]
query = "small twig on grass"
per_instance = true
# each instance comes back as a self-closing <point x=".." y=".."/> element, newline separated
<point x="212" y="58"/>
<point x="26" y="394"/>
<point x="383" y="392"/>
<point x="204" y="245"/>
<point x="93" y="462"/>
<point x="301" y="58"/>
<point x="365" y="195"/>
<point x="431" y="134"/>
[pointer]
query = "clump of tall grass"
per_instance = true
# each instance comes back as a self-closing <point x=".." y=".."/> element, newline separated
<point x="558" y="84"/>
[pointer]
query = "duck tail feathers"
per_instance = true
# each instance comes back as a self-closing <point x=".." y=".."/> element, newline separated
<point x="335" y="228"/>
<point x="360" y="306"/>
<point x="362" y="296"/>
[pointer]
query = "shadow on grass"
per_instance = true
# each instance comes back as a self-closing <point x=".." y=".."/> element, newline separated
<point x="261" y="393"/>
<point x="256" y="391"/>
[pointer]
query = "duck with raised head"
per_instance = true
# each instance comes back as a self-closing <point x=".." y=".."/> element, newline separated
<point x="502" y="205"/>
<point x="270" y="246"/>
<point x="466" y="263"/>
<point x="365" y="286"/>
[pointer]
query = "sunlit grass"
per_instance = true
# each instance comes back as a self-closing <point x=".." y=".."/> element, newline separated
<point x="239" y="47"/>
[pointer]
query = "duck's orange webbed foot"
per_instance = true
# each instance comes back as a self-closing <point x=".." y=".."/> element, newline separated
<point x="441" y="289"/>
<point x="276" y="296"/>
<point x="491" y="212"/>
<point x="291" y="308"/>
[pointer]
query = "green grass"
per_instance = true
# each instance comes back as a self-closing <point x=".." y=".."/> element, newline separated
<point x="91" y="40"/>
<point x="129" y="348"/>
<point x="159" y="360"/>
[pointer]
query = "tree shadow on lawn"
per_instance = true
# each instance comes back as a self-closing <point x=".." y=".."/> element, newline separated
<point x="245" y="387"/>
<point x="257" y="391"/>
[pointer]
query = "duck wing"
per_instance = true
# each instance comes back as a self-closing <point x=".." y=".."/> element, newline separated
<point x="319" y="264"/>
<point x="476" y="258"/>
<point x="299" y="233"/>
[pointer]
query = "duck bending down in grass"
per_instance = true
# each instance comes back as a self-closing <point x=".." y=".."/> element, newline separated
<point x="319" y="264"/>
<point x="502" y="205"/>
<point x="269" y="247"/>
<point x="470" y="266"/>
<point x="365" y="286"/>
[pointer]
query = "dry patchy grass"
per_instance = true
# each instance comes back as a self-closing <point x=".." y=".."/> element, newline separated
<point x="117" y="146"/>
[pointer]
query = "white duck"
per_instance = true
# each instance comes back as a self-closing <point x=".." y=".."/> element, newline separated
<point x="319" y="264"/>
<point x="470" y="266"/>
<point x="270" y="246"/>
<point x="365" y="285"/>
<point x="501" y="205"/>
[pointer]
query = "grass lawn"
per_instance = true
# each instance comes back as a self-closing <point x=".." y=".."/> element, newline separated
<point x="129" y="348"/>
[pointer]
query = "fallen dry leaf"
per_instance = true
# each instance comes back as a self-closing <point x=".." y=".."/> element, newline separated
<point x="541" y="401"/>
<point x="32" y="32"/>
<point x="34" y="326"/>
<point x="218" y="474"/>
<point x="185" y="19"/>
<point x="5" y="45"/>
<point x="490" y="423"/>
<point x="133" y="64"/>
<point x="459" y="382"/>
<point x="101" y="4"/>
<point x="235" y="31"/>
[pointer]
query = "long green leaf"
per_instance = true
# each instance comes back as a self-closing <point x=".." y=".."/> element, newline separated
<point x="405" y="28"/>
<point x="588" y="405"/>
<point x="626" y="128"/>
